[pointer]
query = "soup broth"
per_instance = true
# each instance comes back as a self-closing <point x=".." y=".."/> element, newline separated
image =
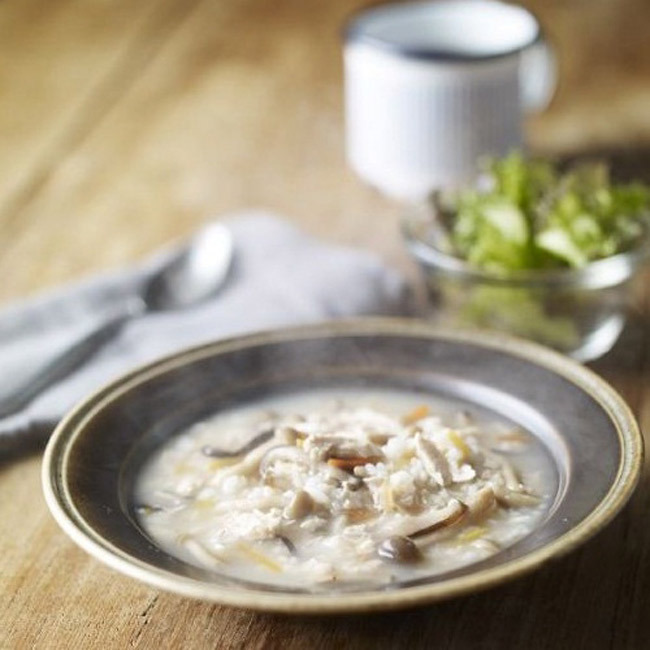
<point x="344" y="487"/>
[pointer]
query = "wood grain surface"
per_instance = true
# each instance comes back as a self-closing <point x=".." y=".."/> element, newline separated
<point x="124" y="125"/>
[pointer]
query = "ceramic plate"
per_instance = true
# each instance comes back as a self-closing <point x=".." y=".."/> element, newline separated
<point x="97" y="450"/>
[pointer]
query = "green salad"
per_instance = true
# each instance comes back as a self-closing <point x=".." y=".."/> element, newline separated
<point x="525" y="214"/>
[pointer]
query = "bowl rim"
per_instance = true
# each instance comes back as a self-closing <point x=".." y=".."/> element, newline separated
<point x="356" y="31"/>
<point x="61" y="502"/>
<point x="597" y="274"/>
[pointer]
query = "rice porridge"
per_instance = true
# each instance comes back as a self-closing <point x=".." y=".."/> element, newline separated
<point x="344" y="486"/>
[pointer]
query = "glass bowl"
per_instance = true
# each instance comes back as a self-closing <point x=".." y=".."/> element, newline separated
<point x="580" y="312"/>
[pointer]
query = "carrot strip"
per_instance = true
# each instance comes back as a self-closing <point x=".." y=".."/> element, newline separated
<point x="416" y="414"/>
<point x="351" y="463"/>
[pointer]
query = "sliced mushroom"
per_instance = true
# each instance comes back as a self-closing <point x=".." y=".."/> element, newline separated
<point x="348" y="464"/>
<point x="380" y="437"/>
<point x="512" y="499"/>
<point x="399" y="549"/>
<point x="354" y="449"/>
<point x="347" y="456"/>
<point x="249" y="464"/>
<point x="288" y="544"/>
<point x="510" y="476"/>
<point x="434" y="460"/>
<point x="481" y="503"/>
<point x="216" y="452"/>
<point x="439" y="519"/>
<point x="431" y="521"/>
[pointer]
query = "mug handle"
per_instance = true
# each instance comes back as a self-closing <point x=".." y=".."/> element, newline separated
<point x="537" y="75"/>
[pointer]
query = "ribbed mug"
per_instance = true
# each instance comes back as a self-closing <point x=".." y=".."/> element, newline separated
<point x="430" y="87"/>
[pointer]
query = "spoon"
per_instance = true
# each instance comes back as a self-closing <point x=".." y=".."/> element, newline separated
<point x="191" y="276"/>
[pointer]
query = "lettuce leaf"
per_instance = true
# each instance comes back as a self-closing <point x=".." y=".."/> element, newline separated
<point x="524" y="214"/>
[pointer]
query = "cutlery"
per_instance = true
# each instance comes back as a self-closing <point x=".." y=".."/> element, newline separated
<point x="191" y="276"/>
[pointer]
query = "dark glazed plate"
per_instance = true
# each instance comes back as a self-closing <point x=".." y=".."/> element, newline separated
<point x="91" y="460"/>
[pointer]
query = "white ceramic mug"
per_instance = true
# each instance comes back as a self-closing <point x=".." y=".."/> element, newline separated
<point x="430" y="87"/>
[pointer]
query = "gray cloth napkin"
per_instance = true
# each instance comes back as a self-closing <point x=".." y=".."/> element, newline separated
<point x="280" y="276"/>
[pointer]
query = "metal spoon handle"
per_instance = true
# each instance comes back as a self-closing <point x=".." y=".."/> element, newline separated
<point x="61" y="363"/>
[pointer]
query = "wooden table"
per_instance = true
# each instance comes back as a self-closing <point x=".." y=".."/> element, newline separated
<point x="125" y="124"/>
